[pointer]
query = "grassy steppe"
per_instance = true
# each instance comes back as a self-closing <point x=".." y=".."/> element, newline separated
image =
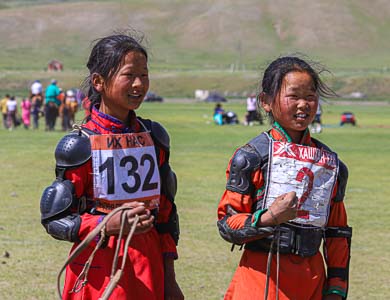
<point x="200" y="153"/>
<point x="203" y="44"/>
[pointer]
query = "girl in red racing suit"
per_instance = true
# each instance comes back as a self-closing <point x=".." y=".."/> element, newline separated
<point x="126" y="164"/>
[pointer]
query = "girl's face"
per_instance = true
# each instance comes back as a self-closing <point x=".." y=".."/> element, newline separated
<point x="127" y="88"/>
<point x="295" y="105"/>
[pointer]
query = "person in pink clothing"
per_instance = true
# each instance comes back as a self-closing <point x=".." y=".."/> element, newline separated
<point x="26" y="112"/>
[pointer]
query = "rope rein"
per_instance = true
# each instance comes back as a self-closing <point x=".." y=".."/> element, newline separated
<point x="276" y="239"/>
<point x="116" y="274"/>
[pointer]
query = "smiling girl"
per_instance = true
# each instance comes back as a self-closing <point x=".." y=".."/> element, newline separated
<point x="99" y="170"/>
<point x="284" y="196"/>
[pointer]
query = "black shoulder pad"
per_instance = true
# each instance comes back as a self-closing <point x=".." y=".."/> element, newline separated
<point x="342" y="179"/>
<point x="56" y="199"/>
<point x="160" y="135"/>
<point x="73" y="150"/>
<point x="244" y="162"/>
<point x="261" y="144"/>
<point x="168" y="182"/>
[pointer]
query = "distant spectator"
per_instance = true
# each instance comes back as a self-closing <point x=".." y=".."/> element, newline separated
<point x="79" y="96"/>
<point x="252" y="114"/>
<point x="36" y="88"/>
<point x="66" y="110"/>
<point x="12" y="110"/>
<point x="26" y="112"/>
<point x="37" y="112"/>
<point x="3" y="108"/>
<point x="316" y="125"/>
<point x="218" y="114"/>
<point x="52" y="104"/>
<point x="72" y="105"/>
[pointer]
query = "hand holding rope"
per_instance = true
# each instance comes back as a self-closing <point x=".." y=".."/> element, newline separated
<point x="115" y="274"/>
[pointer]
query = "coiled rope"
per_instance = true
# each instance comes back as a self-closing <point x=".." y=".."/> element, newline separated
<point x="116" y="274"/>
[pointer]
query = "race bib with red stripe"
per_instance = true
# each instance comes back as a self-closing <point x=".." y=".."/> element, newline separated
<point x="310" y="172"/>
<point x="125" y="169"/>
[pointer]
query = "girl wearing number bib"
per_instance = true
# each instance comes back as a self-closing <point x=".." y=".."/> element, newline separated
<point x="284" y="198"/>
<point x="116" y="159"/>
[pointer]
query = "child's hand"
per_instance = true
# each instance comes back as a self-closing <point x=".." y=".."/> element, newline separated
<point x="145" y="222"/>
<point x="284" y="208"/>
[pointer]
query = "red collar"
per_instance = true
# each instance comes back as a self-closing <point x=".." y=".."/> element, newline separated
<point x="104" y="124"/>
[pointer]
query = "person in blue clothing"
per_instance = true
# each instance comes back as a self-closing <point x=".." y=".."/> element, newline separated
<point x="219" y="113"/>
<point x="52" y="103"/>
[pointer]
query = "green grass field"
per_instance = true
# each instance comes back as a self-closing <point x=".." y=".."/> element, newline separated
<point x="200" y="153"/>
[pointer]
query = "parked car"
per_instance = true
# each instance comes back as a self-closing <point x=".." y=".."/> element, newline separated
<point x="215" y="97"/>
<point x="348" y="118"/>
<point x="153" y="97"/>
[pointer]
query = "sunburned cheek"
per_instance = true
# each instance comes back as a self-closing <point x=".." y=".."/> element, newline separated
<point x="282" y="108"/>
<point x="285" y="102"/>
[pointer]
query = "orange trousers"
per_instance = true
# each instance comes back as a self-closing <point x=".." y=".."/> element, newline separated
<point x="299" y="278"/>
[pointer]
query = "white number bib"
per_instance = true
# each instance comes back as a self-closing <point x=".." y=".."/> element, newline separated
<point x="125" y="169"/>
<point x="310" y="172"/>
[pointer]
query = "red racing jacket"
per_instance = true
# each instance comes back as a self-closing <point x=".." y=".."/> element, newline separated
<point x="81" y="177"/>
<point x="143" y="277"/>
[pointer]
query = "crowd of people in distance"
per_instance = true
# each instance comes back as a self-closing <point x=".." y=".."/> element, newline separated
<point x="51" y="103"/>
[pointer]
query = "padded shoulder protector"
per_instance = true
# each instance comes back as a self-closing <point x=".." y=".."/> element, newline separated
<point x="244" y="162"/>
<point x="168" y="181"/>
<point x="342" y="180"/>
<point x="56" y="199"/>
<point x="160" y="135"/>
<point x="158" y="132"/>
<point x="73" y="150"/>
<point x="261" y="144"/>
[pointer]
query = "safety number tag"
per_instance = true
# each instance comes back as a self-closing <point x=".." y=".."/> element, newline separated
<point x="125" y="169"/>
<point x="310" y="172"/>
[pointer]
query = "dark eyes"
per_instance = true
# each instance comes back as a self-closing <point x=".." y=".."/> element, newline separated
<point x="307" y="98"/>
<point x="131" y="75"/>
